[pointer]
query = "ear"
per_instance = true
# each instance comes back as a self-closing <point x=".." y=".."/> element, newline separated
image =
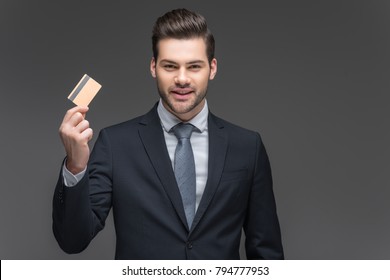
<point x="153" y="67"/>
<point x="213" y="68"/>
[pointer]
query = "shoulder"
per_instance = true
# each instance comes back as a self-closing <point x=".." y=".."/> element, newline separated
<point x="124" y="126"/>
<point x="120" y="129"/>
<point x="132" y="125"/>
<point x="242" y="142"/>
<point x="233" y="129"/>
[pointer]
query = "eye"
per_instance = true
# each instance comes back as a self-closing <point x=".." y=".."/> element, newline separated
<point x="169" y="66"/>
<point x="195" y="67"/>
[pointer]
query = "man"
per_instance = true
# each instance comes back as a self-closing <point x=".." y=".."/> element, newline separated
<point x="174" y="196"/>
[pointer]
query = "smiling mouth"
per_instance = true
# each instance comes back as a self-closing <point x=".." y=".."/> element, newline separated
<point x="182" y="91"/>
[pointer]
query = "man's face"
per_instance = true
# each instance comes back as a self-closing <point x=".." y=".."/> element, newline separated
<point x="182" y="72"/>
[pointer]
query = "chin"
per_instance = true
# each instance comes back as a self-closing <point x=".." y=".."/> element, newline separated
<point x="181" y="109"/>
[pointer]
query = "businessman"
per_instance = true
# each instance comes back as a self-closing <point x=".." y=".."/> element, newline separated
<point x="182" y="182"/>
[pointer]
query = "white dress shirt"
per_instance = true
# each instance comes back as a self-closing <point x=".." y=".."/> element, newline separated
<point x="199" y="142"/>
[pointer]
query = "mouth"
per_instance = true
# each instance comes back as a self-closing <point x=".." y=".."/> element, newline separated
<point x="181" y="93"/>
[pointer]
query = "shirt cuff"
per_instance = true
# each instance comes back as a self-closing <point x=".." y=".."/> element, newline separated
<point x="69" y="179"/>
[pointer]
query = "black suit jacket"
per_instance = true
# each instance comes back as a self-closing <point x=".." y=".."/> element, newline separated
<point x="130" y="171"/>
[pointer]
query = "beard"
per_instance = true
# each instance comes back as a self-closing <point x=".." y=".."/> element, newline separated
<point x="178" y="107"/>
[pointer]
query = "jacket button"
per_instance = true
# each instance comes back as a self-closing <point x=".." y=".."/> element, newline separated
<point x="189" y="245"/>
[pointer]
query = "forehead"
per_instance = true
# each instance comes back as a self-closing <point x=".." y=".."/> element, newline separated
<point x="182" y="50"/>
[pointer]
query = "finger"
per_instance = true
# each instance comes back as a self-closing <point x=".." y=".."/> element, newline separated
<point x="87" y="133"/>
<point x="75" y="119"/>
<point x="72" y="111"/>
<point x="83" y="125"/>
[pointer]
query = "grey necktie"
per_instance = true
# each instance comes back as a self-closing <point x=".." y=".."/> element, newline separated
<point x="184" y="167"/>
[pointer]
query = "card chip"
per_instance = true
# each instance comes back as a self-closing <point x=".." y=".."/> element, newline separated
<point x="84" y="91"/>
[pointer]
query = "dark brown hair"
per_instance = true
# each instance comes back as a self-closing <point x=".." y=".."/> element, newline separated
<point x="182" y="24"/>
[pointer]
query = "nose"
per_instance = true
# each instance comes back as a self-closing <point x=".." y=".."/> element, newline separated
<point x="182" y="77"/>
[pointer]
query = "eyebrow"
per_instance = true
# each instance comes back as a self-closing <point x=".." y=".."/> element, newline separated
<point x="191" y="62"/>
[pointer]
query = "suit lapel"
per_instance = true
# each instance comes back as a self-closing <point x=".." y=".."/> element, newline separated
<point x="218" y="144"/>
<point x="152" y="137"/>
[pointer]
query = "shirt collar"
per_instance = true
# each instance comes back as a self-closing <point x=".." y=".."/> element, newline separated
<point x="168" y="120"/>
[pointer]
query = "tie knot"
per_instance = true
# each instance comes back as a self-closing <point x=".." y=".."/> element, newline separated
<point x="183" y="130"/>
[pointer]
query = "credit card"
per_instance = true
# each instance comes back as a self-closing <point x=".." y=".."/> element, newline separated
<point x="84" y="91"/>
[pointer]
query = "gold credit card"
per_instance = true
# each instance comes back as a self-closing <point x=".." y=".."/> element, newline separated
<point x="84" y="91"/>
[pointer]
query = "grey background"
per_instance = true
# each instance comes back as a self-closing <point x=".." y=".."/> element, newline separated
<point x="311" y="76"/>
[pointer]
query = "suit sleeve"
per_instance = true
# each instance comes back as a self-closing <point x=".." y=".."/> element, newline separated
<point x="79" y="212"/>
<point x="263" y="237"/>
